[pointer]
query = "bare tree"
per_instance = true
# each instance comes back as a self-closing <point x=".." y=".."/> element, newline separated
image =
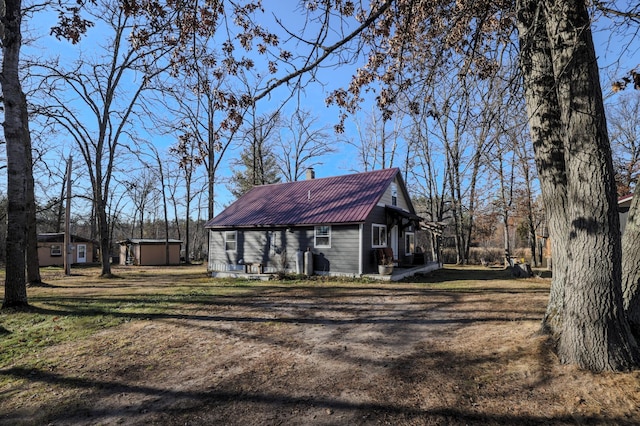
<point x="527" y="172"/>
<point x="163" y="193"/>
<point x="504" y="167"/>
<point x="96" y="87"/>
<point x="195" y="104"/>
<point x="187" y="152"/>
<point x="451" y="116"/>
<point x="624" y="126"/>
<point x="301" y="144"/>
<point x="140" y="189"/>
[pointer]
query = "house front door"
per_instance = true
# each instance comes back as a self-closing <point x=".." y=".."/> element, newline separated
<point x="394" y="241"/>
<point x="82" y="253"/>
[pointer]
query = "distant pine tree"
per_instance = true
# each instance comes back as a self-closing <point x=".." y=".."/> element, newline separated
<point x="250" y="173"/>
<point x="258" y="164"/>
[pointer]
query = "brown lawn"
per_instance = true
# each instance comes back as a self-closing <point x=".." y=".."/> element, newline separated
<point x="458" y="347"/>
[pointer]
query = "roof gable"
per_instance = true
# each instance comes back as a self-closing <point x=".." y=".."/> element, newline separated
<point x="340" y="199"/>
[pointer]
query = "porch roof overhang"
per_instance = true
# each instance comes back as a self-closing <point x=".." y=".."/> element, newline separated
<point x="435" y="228"/>
<point x="402" y="217"/>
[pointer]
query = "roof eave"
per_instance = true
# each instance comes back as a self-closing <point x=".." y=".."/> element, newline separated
<point x="291" y="225"/>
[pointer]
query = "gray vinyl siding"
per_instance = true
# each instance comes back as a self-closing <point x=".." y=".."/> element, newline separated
<point x="623" y="209"/>
<point x="259" y="247"/>
<point x="276" y="249"/>
<point x="343" y="255"/>
<point x="624" y="216"/>
<point x="387" y="199"/>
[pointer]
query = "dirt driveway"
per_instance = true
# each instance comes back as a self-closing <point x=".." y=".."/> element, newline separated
<point x="325" y="354"/>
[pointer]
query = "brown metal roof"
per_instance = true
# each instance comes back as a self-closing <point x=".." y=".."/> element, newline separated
<point x="340" y="199"/>
<point x="58" y="237"/>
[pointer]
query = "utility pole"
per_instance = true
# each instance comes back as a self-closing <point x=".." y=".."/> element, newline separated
<point x="67" y="222"/>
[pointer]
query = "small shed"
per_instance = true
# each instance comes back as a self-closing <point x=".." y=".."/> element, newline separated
<point x="146" y="251"/>
<point x="51" y="249"/>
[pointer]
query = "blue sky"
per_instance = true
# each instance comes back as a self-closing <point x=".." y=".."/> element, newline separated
<point x="312" y="99"/>
<point x="616" y="56"/>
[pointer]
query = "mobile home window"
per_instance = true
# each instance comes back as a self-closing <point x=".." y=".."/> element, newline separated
<point x="379" y="237"/>
<point x="322" y="236"/>
<point x="409" y="243"/>
<point x="56" y="250"/>
<point x="231" y="240"/>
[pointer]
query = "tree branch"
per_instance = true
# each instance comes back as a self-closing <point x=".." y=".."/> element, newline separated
<point x="327" y="52"/>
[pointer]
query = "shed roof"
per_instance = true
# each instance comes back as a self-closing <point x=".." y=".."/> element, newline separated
<point x="148" y="241"/>
<point x="340" y="199"/>
<point x="58" y="237"/>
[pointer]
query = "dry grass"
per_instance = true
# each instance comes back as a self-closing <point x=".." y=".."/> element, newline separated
<point x="170" y="346"/>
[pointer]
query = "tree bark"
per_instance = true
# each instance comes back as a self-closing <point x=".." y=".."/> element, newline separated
<point x="546" y="133"/>
<point x="595" y="334"/>
<point x="16" y="131"/>
<point x="187" y="234"/>
<point x="33" y="261"/>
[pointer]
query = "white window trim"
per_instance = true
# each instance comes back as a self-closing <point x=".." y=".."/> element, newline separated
<point x="315" y="237"/>
<point x="235" y="240"/>
<point x="406" y="236"/>
<point x="375" y="228"/>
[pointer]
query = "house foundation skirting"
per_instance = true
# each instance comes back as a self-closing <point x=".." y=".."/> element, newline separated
<point x="398" y="273"/>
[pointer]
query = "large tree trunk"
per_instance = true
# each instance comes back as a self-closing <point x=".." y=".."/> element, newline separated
<point x="593" y="331"/>
<point x="103" y="233"/>
<point x="15" y="133"/>
<point x="546" y="133"/>
<point x="33" y="261"/>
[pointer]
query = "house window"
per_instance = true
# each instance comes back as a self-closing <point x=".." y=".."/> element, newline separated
<point x="409" y="243"/>
<point x="322" y="236"/>
<point x="394" y="194"/>
<point x="379" y="235"/>
<point x="231" y="240"/>
<point x="56" y="250"/>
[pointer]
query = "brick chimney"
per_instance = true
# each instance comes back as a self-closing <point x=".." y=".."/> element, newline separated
<point x="311" y="174"/>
